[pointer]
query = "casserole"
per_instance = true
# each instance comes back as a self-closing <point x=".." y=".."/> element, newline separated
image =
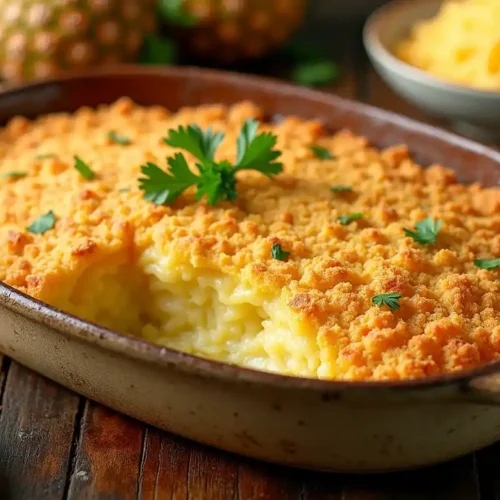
<point x="308" y="423"/>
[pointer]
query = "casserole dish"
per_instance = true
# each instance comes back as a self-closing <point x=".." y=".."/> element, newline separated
<point x="355" y="426"/>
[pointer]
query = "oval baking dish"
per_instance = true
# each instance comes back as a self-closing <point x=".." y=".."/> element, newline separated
<point x="341" y="426"/>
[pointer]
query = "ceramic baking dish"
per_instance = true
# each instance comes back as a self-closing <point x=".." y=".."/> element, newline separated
<point x="370" y="426"/>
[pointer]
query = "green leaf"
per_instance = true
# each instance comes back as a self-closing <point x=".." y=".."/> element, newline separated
<point x="278" y="253"/>
<point x="172" y="12"/>
<point x="426" y="231"/>
<point x="201" y="144"/>
<point x="161" y="187"/>
<point x="14" y="175"/>
<point x="217" y="180"/>
<point x="316" y="72"/>
<point x="45" y="156"/>
<point x="247" y="135"/>
<point x="256" y="152"/>
<point x="298" y="51"/>
<point x="157" y="50"/>
<point x="487" y="263"/>
<point x="321" y="153"/>
<point x="118" y="138"/>
<point x="345" y="219"/>
<point x="391" y="300"/>
<point x="84" y="169"/>
<point x="43" y="223"/>
<point x="341" y="189"/>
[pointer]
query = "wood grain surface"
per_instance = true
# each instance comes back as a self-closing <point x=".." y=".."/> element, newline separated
<point x="55" y="445"/>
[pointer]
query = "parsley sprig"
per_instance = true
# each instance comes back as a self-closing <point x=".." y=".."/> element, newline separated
<point x="321" y="152"/>
<point x="426" y="231"/>
<point x="340" y="189"/>
<point x="43" y="224"/>
<point x="14" y="175"/>
<point x="391" y="300"/>
<point x="118" y="138"/>
<point x="85" y="171"/>
<point x="346" y="219"/>
<point x="215" y="180"/>
<point x="278" y="253"/>
<point x="487" y="263"/>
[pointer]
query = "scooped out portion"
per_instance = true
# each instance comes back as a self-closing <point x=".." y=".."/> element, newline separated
<point x="351" y="263"/>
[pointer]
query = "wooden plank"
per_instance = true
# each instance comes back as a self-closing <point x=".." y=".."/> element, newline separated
<point x="260" y="481"/>
<point x="108" y="455"/>
<point x="164" y="467"/>
<point x="36" y="429"/>
<point x="178" y="469"/>
<point x="212" y="474"/>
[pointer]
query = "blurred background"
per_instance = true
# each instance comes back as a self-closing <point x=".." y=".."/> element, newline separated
<point x="296" y="39"/>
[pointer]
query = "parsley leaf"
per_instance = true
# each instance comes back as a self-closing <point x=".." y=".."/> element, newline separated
<point x="426" y="231"/>
<point x="487" y="263"/>
<point x="201" y="144"/>
<point x="321" y="152"/>
<point x="43" y="223"/>
<point x="157" y="50"/>
<point x="345" y="219"/>
<point x="216" y="180"/>
<point x="14" y="175"/>
<point x="256" y="152"/>
<point x="278" y="253"/>
<point x="314" y="72"/>
<point x="161" y="187"/>
<point x="173" y="12"/>
<point x="84" y="169"/>
<point x="391" y="300"/>
<point x="118" y="138"/>
<point x="341" y="189"/>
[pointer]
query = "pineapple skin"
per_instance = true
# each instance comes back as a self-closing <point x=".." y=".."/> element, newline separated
<point x="43" y="38"/>
<point x="230" y="30"/>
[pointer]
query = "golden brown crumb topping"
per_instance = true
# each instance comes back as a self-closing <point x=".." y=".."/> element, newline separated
<point x="449" y="316"/>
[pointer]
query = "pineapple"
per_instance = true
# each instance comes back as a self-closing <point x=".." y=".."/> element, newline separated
<point x="42" y="38"/>
<point x="229" y="30"/>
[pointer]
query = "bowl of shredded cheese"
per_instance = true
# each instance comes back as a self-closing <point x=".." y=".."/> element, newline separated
<point x="444" y="57"/>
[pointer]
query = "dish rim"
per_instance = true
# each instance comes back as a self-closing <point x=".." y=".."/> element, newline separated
<point x="373" y="44"/>
<point x="136" y="348"/>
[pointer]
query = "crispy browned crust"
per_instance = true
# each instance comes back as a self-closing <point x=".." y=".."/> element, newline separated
<point x="450" y="311"/>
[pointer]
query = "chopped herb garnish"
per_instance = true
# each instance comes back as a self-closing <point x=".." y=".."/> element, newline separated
<point x="426" y="231"/>
<point x="157" y="50"/>
<point x="321" y="153"/>
<point x="174" y="12"/>
<point x="317" y="72"/>
<point x="345" y="219"/>
<point x="487" y="263"/>
<point x="45" y="156"/>
<point x="341" y="189"/>
<point x="391" y="300"/>
<point x="216" y="180"/>
<point x="84" y="169"/>
<point x="14" y="175"/>
<point x="43" y="223"/>
<point x="278" y="253"/>
<point x="123" y="190"/>
<point x="118" y="138"/>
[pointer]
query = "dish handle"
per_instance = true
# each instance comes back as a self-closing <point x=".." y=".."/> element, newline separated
<point x="484" y="389"/>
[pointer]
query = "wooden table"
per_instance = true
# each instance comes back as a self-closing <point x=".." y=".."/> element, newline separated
<point x="56" y="445"/>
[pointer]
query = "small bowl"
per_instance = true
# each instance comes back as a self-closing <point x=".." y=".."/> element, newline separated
<point x="471" y="111"/>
